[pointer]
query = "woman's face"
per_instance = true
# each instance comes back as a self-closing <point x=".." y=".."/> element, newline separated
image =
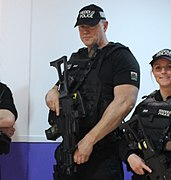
<point x="162" y="72"/>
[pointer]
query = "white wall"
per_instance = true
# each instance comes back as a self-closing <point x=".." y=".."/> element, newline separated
<point x="34" y="32"/>
<point x="15" y="57"/>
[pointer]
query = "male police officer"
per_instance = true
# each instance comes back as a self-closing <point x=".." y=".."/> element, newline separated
<point x="109" y="92"/>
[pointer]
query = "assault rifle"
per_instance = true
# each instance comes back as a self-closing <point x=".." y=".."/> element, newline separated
<point x="72" y="109"/>
<point x="66" y="124"/>
<point x="139" y="140"/>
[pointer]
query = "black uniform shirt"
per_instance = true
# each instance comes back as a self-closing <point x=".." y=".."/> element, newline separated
<point x="121" y="67"/>
<point x="114" y="65"/>
<point x="6" y="99"/>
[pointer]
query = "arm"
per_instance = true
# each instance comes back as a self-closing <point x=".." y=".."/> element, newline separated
<point x="132" y="158"/>
<point x="52" y="99"/>
<point x="122" y="104"/>
<point x="8" y="112"/>
<point x="7" y="120"/>
<point x="137" y="164"/>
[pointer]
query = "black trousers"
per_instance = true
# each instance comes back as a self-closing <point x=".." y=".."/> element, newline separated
<point x="104" y="164"/>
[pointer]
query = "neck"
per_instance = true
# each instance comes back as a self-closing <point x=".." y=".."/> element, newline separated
<point x="103" y="44"/>
<point x="165" y="93"/>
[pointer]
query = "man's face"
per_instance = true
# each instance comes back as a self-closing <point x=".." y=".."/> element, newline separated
<point x="92" y="34"/>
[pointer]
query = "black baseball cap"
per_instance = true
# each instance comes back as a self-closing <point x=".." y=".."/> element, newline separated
<point x="165" y="53"/>
<point x="90" y="15"/>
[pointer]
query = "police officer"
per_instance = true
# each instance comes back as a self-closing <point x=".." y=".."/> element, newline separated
<point x="109" y="92"/>
<point x="155" y="115"/>
<point x="8" y="115"/>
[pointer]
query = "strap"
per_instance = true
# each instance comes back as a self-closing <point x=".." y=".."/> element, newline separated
<point x="2" y="95"/>
<point x="88" y="69"/>
<point x="115" y="46"/>
<point x="151" y="95"/>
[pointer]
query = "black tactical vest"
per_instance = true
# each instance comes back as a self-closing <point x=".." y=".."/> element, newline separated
<point x="90" y="89"/>
<point x="156" y="119"/>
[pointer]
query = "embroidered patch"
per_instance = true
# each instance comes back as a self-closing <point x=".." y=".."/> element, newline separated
<point x="134" y="76"/>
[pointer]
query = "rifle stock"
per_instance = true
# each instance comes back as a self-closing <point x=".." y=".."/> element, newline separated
<point x="63" y="77"/>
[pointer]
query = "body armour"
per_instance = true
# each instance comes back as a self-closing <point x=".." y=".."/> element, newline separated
<point x="156" y="120"/>
<point x="148" y="132"/>
<point x="91" y="87"/>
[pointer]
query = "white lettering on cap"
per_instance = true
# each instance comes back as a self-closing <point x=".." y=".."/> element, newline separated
<point x="87" y="14"/>
<point x="164" y="52"/>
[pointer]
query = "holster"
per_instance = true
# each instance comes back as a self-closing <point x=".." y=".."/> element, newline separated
<point x="4" y="143"/>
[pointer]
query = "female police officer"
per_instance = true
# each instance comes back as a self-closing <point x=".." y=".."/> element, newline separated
<point x="147" y="149"/>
